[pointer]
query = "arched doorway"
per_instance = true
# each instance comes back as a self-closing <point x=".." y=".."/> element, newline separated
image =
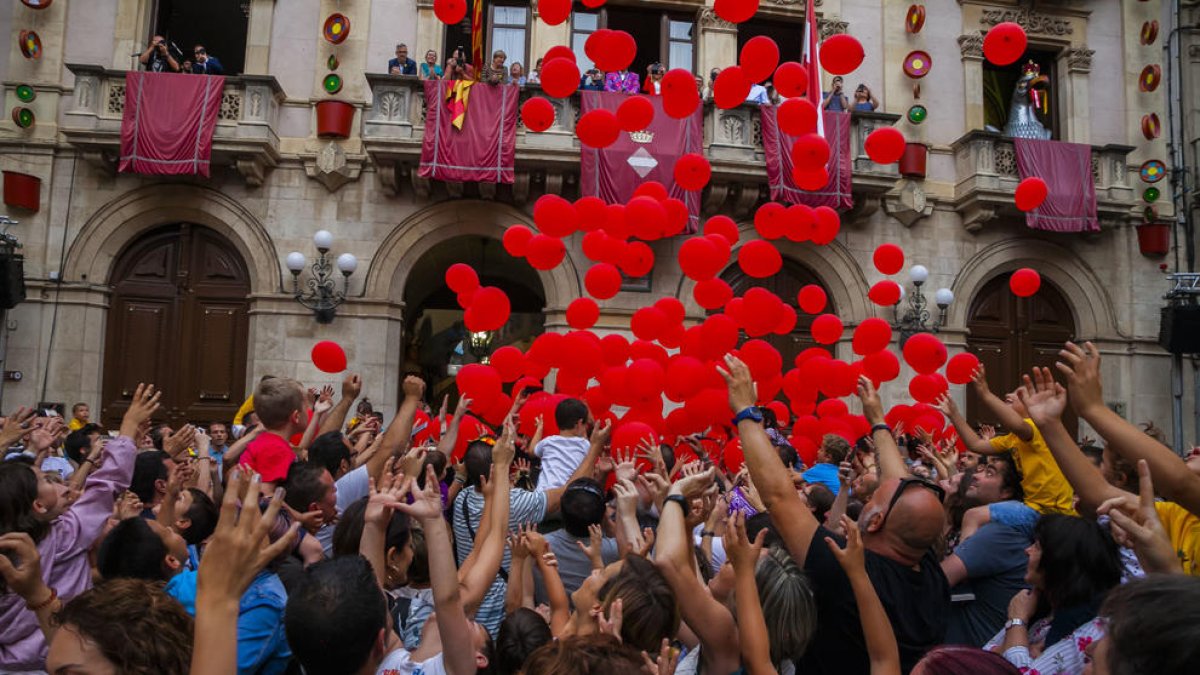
<point x="786" y="284"/>
<point x="435" y="338"/>
<point x="178" y="318"/>
<point x="1011" y="335"/>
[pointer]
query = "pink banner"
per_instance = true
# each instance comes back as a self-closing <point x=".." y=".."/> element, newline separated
<point x="777" y="147"/>
<point x="484" y="150"/>
<point x="169" y="122"/>
<point x="1070" y="205"/>
<point x="613" y="173"/>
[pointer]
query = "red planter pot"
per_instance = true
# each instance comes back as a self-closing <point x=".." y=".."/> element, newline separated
<point x="335" y="119"/>
<point x="912" y="162"/>
<point x="1154" y="239"/>
<point x="22" y="190"/>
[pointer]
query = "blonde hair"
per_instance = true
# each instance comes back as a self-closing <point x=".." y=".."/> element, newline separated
<point x="276" y="398"/>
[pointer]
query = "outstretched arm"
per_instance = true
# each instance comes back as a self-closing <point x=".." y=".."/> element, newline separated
<point x="752" y="627"/>
<point x="891" y="464"/>
<point x="877" y="629"/>
<point x="1003" y="412"/>
<point x="973" y="441"/>
<point x="399" y="432"/>
<point x="351" y="388"/>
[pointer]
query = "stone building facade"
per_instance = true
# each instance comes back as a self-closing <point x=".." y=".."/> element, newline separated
<point x="275" y="183"/>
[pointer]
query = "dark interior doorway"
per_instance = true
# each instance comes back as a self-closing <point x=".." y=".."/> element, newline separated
<point x="789" y="36"/>
<point x="998" y="84"/>
<point x="646" y="29"/>
<point x="220" y="25"/>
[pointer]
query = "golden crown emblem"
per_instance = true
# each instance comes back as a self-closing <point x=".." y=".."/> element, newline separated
<point x="644" y="137"/>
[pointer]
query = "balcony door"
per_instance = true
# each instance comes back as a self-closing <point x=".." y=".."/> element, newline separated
<point x="178" y="318"/>
<point x="219" y="25"/>
<point x="1011" y="335"/>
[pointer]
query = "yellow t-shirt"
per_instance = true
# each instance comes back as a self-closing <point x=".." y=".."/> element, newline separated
<point x="1183" y="527"/>
<point x="1046" y="488"/>
<point x="75" y="424"/>
<point x="247" y="406"/>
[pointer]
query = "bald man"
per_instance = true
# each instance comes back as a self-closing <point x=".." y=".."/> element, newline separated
<point x="899" y="524"/>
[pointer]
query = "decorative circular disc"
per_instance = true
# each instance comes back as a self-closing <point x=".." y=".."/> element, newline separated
<point x="333" y="62"/>
<point x="31" y="44"/>
<point x="1149" y="32"/>
<point x="1153" y="170"/>
<point x="23" y="117"/>
<point x="1151" y="194"/>
<point x="1150" y="78"/>
<point x="337" y="28"/>
<point x="37" y="4"/>
<point x="1151" y="127"/>
<point x="917" y="64"/>
<point x="914" y="21"/>
<point x="917" y="114"/>
<point x="25" y="93"/>
<point x="1150" y="213"/>
<point x="332" y="83"/>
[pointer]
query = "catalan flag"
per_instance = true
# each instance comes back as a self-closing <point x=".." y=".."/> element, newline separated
<point x="457" y="92"/>
<point x="477" y="37"/>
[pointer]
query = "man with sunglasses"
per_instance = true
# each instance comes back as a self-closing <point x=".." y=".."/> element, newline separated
<point x="203" y="64"/>
<point x="899" y="525"/>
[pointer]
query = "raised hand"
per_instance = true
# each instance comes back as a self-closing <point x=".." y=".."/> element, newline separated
<point x="505" y="449"/>
<point x="1139" y="520"/>
<point x="872" y="406"/>
<point x="979" y="380"/>
<point x="845" y="473"/>
<point x="742" y="552"/>
<point x="601" y="432"/>
<point x="1080" y="367"/>
<point x="611" y="624"/>
<point x="695" y="484"/>
<point x="413" y="387"/>
<point x="535" y="542"/>
<point x="384" y="498"/>
<point x="594" y="546"/>
<point x="1044" y="398"/>
<point x="351" y="386"/>
<point x="16" y="426"/>
<point x="741" y="385"/>
<point x="987" y="432"/>
<point x="142" y="407"/>
<point x="177" y="442"/>
<point x="128" y="506"/>
<point x="627" y="498"/>
<point x="22" y="567"/>
<point x="427" y="503"/>
<point x="626" y="465"/>
<point x="851" y="558"/>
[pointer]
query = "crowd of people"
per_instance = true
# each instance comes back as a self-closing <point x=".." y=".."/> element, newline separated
<point x="315" y="539"/>
<point x="161" y="57"/>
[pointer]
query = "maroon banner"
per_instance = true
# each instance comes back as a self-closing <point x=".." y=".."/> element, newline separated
<point x="483" y="151"/>
<point x="613" y="173"/>
<point x="1070" y="204"/>
<point x="777" y="147"/>
<point x="169" y="121"/>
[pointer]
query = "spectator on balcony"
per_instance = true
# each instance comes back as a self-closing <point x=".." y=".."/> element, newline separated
<point x="157" y="58"/>
<point x="203" y="64"/>
<point x="516" y="74"/>
<point x="758" y="95"/>
<point x="430" y="70"/>
<point x="864" y="100"/>
<point x="654" y="76"/>
<point x="458" y="66"/>
<point x="621" y="81"/>
<point x="834" y="100"/>
<point x="535" y="75"/>
<point x="402" y="65"/>
<point x="593" y="80"/>
<point x="706" y="91"/>
<point x="496" y="73"/>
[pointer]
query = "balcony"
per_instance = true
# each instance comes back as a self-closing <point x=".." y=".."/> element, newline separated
<point x="244" y="138"/>
<point x="394" y="122"/>
<point x="986" y="168"/>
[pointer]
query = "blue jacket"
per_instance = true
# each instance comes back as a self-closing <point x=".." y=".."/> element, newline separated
<point x="409" y="67"/>
<point x="212" y="66"/>
<point x="262" y="644"/>
<point x="825" y="474"/>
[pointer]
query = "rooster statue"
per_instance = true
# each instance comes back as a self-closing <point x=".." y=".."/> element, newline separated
<point x="1026" y="100"/>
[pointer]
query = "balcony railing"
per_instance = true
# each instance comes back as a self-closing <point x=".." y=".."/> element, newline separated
<point x="986" y="169"/>
<point x="244" y="137"/>
<point x="394" y="124"/>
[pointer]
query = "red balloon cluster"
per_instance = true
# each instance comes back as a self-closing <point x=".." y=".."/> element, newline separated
<point x="329" y="357"/>
<point x="610" y="50"/>
<point x="1025" y="282"/>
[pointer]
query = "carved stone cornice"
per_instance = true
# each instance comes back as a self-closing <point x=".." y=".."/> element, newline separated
<point x="828" y="27"/>
<point x="971" y="45"/>
<point x="708" y="19"/>
<point x="1032" y="21"/>
<point x="1079" y="60"/>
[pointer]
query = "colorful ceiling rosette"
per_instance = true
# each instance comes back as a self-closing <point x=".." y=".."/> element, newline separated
<point x="31" y="44"/>
<point x="1152" y="171"/>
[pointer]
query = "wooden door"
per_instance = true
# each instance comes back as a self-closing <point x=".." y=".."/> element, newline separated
<point x="178" y="318"/>
<point x="786" y="284"/>
<point x="1011" y="335"/>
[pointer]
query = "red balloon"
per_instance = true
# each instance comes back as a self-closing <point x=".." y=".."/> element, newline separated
<point x="507" y="361"/>
<point x="720" y="331"/>
<point x="872" y="335"/>
<point x="791" y="79"/>
<point x="559" y="52"/>
<point x="645" y="216"/>
<point x="1030" y="194"/>
<point x="832" y="407"/>
<point x="885" y="293"/>
<point x="478" y="381"/>
<point x="554" y="12"/>
<point x="560" y="77"/>
<point x="637" y="259"/>
<point x="545" y="252"/>
<point x="797" y="117"/>
<point x="450" y="12"/>
<point x="812" y="299"/>
<point x="771" y="221"/>
<point x="593" y="213"/>
<point x="692" y="171"/>
<point x="598" y="128"/>
<point x="602" y="281"/>
<point x="810" y="179"/>
<point x="461" y="278"/>
<point x="516" y="240"/>
<point x="582" y="313"/>
<point x="680" y="96"/>
<point x="635" y="113"/>
<point x="759" y="57"/>
<point x="712" y="293"/>
<point x="555" y="216"/>
<point x="648" y="323"/>
<point x="615" y="349"/>
<point x="961" y="368"/>
<point x="601" y="247"/>
<point x="810" y="152"/>
<point x="329" y="357"/>
<point x="652" y="189"/>
<point x="735" y="11"/>
<point x="730" y="88"/>
<point x="700" y="258"/>
<point x="827" y="329"/>
<point x="885" y="145"/>
<point x="760" y="259"/>
<point x="761" y="358"/>
<point x="613" y="50"/>
<point x="925" y="353"/>
<point x="787" y="321"/>
<point x="882" y="366"/>
<point x="828" y="222"/>
<point x="1025" y="282"/>
<point x="672" y="308"/>
<point x="1004" y="43"/>
<point x="537" y="114"/>
<point x="889" y="258"/>
<point x="927" y="388"/>
<point x="489" y="310"/>
<point x="841" y="54"/>
<point x="722" y="226"/>
<point x="627" y="436"/>
<point x="646" y="378"/>
<point x="761" y="311"/>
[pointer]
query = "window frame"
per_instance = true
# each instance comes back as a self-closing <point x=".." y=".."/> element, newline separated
<point x="492" y="25"/>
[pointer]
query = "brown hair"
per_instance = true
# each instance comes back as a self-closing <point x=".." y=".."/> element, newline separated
<point x="275" y="400"/>
<point x="137" y="626"/>
<point x="649" y="604"/>
<point x="836" y="447"/>
<point x="596" y="654"/>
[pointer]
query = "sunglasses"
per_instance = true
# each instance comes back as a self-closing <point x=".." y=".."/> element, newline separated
<point x="199" y="51"/>
<point x="904" y="485"/>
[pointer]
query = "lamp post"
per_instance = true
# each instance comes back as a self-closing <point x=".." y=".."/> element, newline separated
<point x="915" y="318"/>
<point x="322" y="295"/>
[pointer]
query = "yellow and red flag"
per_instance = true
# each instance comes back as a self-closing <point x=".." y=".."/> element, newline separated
<point x="457" y="92"/>
<point x="477" y="36"/>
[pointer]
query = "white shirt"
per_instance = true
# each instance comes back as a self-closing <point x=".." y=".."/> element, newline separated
<point x="561" y="456"/>
<point x="758" y="94"/>
<point x="400" y="662"/>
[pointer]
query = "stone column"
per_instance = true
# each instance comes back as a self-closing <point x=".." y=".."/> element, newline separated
<point x="1077" y="65"/>
<point x="543" y="36"/>
<point x="971" y="46"/>
<point x="258" y="37"/>
<point x="431" y="32"/>
<point x="133" y="30"/>
<point x="717" y="43"/>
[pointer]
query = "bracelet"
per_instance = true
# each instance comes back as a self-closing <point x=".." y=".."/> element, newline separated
<point x="707" y="533"/>
<point x="460" y="479"/>
<point x="880" y="427"/>
<point x="87" y="460"/>
<point x="677" y="499"/>
<point x="43" y="604"/>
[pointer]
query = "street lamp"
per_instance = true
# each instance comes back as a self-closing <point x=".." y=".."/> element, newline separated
<point x="915" y="318"/>
<point x="322" y="295"/>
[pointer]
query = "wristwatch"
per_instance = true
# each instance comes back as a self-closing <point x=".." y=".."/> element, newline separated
<point x="751" y="413"/>
<point x="678" y="499"/>
<point x="881" y="427"/>
<point x="1013" y="622"/>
